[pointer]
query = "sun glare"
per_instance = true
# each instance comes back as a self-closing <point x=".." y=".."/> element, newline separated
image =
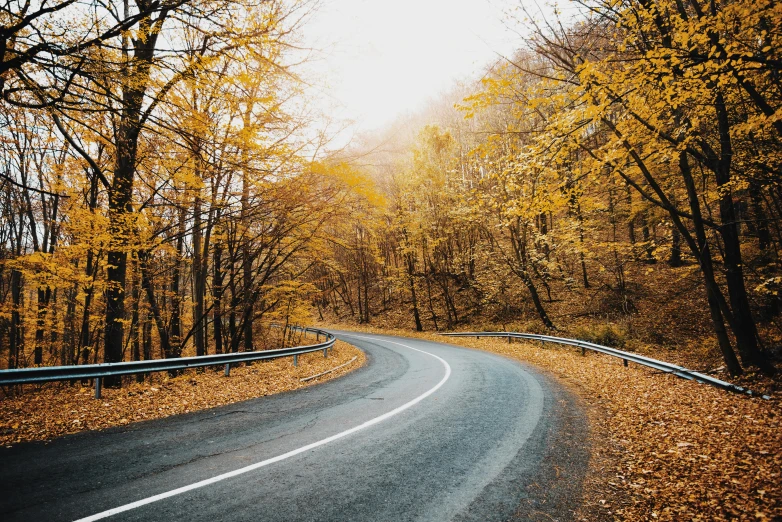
<point x="383" y="59"/>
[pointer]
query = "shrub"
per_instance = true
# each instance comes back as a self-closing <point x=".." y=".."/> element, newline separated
<point x="606" y="334"/>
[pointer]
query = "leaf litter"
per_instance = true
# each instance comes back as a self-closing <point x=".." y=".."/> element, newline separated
<point x="663" y="448"/>
<point x="42" y="413"/>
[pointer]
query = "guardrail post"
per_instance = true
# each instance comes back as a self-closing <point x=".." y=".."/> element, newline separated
<point x="624" y="361"/>
<point x="98" y="384"/>
<point x="509" y="338"/>
<point x="583" y="350"/>
<point x="326" y="352"/>
<point x="228" y="370"/>
<point x="295" y="360"/>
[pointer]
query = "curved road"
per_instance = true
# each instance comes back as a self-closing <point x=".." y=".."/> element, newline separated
<point x="425" y="431"/>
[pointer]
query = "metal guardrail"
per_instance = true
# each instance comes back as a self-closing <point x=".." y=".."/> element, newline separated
<point x="100" y="371"/>
<point x="662" y="366"/>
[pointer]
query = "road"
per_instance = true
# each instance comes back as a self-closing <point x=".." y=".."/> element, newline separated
<point x="425" y="431"/>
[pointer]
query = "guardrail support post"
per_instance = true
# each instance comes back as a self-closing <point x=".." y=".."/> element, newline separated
<point x="509" y="339"/>
<point x="583" y="350"/>
<point x="624" y="361"/>
<point x="98" y="385"/>
<point x="228" y="370"/>
<point x="326" y="352"/>
<point x="295" y="360"/>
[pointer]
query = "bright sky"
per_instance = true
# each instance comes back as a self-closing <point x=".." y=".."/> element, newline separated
<point x="383" y="58"/>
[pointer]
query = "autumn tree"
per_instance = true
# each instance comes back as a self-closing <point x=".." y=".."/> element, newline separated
<point x="631" y="81"/>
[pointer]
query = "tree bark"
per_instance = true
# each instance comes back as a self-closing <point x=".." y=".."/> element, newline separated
<point x="136" y="79"/>
<point x="217" y="293"/>
<point x="199" y="282"/>
<point x="15" y="331"/>
<point x="703" y="255"/>
<point x="745" y="329"/>
<point x="518" y="239"/>
<point x="176" y="292"/>
<point x="416" y="314"/>
<point x="149" y="289"/>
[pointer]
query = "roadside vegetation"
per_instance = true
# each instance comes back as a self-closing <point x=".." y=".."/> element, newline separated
<point x="665" y="448"/>
<point x="166" y="189"/>
<point x="615" y="180"/>
<point x="52" y="410"/>
<point x="662" y="448"/>
<point x="617" y="177"/>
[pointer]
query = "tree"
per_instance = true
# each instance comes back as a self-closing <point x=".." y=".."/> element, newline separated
<point x="635" y="83"/>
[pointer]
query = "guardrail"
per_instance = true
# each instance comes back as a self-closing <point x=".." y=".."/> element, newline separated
<point x="99" y="371"/>
<point x="663" y="366"/>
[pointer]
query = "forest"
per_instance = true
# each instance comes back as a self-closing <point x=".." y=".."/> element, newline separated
<point x="167" y="187"/>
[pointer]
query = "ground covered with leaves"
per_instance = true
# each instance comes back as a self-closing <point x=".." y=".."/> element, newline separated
<point x="663" y="448"/>
<point x="56" y="409"/>
<point x="666" y="448"/>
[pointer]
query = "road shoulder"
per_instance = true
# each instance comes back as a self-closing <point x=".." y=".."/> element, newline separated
<point x="57" y="409"/>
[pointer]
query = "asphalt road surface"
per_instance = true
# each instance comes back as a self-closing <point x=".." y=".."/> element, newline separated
<point x="425" y="431"/>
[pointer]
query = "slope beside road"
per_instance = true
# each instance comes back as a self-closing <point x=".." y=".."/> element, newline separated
<point x="425" y="431"/>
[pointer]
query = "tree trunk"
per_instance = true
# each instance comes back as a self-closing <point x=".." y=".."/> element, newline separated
<point x="135" y="337"/>
<point x="247" y="290"/>
<point x="217" y="293"/>
<point x="146" y="283"/>
<point x="630" y="217"/>
<point x="745" y="329"/>
<point x="116" y="271"/>
<point x="575" y="206"/>
<point x="199" y="282"/>
<point x="533" y="292"/>
<point x="137" y="78"/>
<point x="416" y="314"/>
<point x="15" y="338"/>
<point x="360" y="301"/>
<point x="44" y="295"/>
<point x="675" y="259"/>
<point x="85" y="337"/>
<point x="703" y="255"/>
<point x="247" y="261"/>
<point x="89" y="271"/>
<point x="518" y="239"/>
<point x="429" y="303"/>
<point x="648" y="246"/>
<point x="176" y="292"/>
<point x="147" y="331"/>
<point x="761" y="219"/>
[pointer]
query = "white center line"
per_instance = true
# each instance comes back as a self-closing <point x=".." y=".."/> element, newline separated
<point x="257" y="465"/>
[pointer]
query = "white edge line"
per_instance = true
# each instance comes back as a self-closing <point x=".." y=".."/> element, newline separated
<point x="257" y="465"/>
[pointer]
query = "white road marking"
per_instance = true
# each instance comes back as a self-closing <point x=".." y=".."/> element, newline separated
<point x="257" y="465"/>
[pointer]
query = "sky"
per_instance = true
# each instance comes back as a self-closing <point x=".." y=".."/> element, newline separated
<point x="380" y="59"/>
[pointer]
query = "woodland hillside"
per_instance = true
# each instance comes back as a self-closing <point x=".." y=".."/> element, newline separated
<point x="618" y="180"/>
<point x="166" y="189"/>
